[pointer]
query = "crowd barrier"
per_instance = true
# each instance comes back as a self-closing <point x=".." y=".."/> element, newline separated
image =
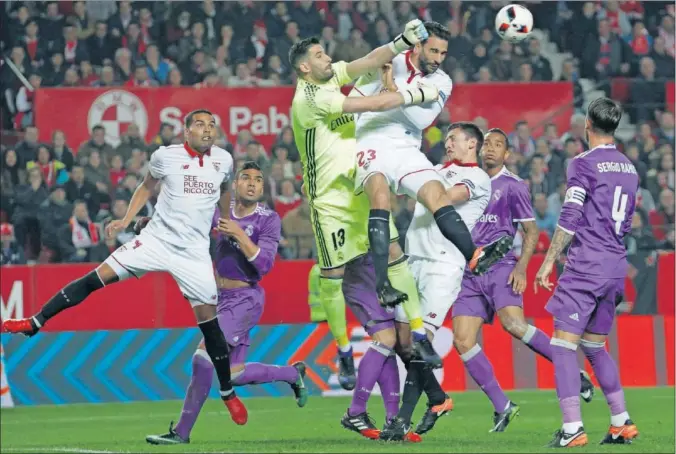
<point x="265" y="112"/>
<point x="134" y="340"/>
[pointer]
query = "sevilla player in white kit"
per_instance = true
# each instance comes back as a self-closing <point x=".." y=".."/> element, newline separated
<point x="438" y="266"/>
<point x="389" y="158"/>
<point x="194" y="178"/>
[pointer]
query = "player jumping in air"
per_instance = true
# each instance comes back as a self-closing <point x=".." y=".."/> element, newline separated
<point x="245" y="252"/>
<point x="323" y="125"/>
<point x="194" y="180"/>
<point x="437" y="267"/>
<point x="501" y="289"/>
<point x="596" y="215"/>
<point x="389" y="159"/>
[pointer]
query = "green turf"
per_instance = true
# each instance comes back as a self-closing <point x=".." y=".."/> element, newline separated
<point x="277" y="425"/>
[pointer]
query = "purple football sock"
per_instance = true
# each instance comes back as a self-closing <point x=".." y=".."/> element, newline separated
<point x="538" y="341"/>
<point x="257" y="373"/>
<point x="606" y="373"/>
<point x="388" y="381"/>
<point x="196" y="395"/>
<point x="481" y="370"/>
<point x="567" y="375"/>
<point x="370" y="368"/>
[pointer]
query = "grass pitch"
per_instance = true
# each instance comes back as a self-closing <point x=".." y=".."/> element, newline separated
<point x="277" y="425"/>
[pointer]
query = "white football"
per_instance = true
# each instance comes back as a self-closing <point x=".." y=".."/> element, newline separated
<point x="514" y="23"/>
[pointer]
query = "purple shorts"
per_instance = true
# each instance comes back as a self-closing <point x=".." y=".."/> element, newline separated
<point x="239" y="310"/>
<point x="359" y="288"/>
<point x="583" y="303"/>
<point x="482" y="296"/>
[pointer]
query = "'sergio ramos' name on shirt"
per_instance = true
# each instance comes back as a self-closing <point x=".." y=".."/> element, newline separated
<point x="615" y="167"/>
<point x="191" y="185"/>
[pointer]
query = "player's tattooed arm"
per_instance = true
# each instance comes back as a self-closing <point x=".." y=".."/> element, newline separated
<point x="530" y="241"/>
<point x="224" y="201"/>
<point x="560" y="240"/>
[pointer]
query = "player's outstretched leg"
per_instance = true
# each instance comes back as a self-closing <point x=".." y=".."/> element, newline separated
<point x="69" y="296"/>
<point x="438" y="402"/>
<point x="566" y="373"/>
<point x="333" y="302"/>
<point x="400" y="275"/>
<point x="196" y="395"/>
<point x="622" y="430"/>
<point x="514" y="322"/>
<point x="378" y="192"/>
<point x="257" y="374"/>
<point x="217" y="348"/>
<point x="433" y="196"/>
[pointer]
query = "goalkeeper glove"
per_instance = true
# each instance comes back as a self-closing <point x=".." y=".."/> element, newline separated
<point x="414" y="32"/>
<point x="420" y="94"/>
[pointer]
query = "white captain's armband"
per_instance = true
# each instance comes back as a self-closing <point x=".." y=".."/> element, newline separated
<point x="575" y="194"/>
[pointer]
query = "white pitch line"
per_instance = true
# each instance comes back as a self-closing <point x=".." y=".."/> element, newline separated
<point x="73" y="450"/>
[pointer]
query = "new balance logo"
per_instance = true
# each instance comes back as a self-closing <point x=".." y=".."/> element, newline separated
<point x="574" y="317"/>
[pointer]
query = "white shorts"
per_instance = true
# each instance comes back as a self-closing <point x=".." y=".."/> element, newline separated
<point x="438" y="286"/>
<point x="406" y="168"/>
<point x="191" y="268"/>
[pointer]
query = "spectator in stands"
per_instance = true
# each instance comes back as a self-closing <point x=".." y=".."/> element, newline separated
<point x="632" y="152"/>
<point x="9" y="79"/>
<point x="127" y="188"/>
<point x="17" y="25"/>
<point x="87" y="75"/>
<point x="276" y="19"/>
<point x="521" y="139"/>
<point x="165" y="137"/>
<point x="552" y="160"/>
<point x="52" y="24"/>
<point x="569" y="74"/>
<point x="378" y="34"/>
<point x="71" y="78"/>
<point x="150" y="31"/>
<point x="297" y="230"/>
<point x="276" y="67"/>
<point x="662" y="177"/>
<point x="100" y="46"/>
<point x="118" y="22"/>
<point x="286" y="139"/>
<point x="96" y="170"/>
<point x="308" y="18"/>
<point x="54" y="71"/>
<point x="243" y="77"/>
<point x="646" y="94"/>
<point x="133" y="41"/>
<point x="551" y="135"/>
<point x="617" y="19"/>
<point x="666" y="130"/>
<point x="288" y="198"/>
<point x="141" y="77"/>
<point x="81" y="20"/>
<point x="54" y="213"/>
<point x="175" y="78"/>
<point x="193" y="42"/>
<point x="605" y="56"/>
<point x="290" y="37"/>
<point x="666" y="32"/>
<point x="459" y="48"/>
<point x="211" y="18"/>
<point x="107" y="77"/>
<point x="35" y="48"/>
<point x="24" y="102"/>
<point x="27" y="205"/>
<point x="117" y="170"/>
<point x="74" y="50"/>
<point x="12" y="169"/>
<point x="281" y="155"/>
<point x="77" y="188"/>
<point x="138" y="162"/>
<point x="27" y="149"/>
<point x="256" y="153"/>
<point x="640" y="40"/>
<point x="664" y="63"/>
<point x="353" y="49"/>
<point x="542" y="69"/>
<point x="158" y="69"/>
<point x="196" y="68"/>
<point x="525" y="74"/>
<point x="576" y="132"/>
<point x="477" y="60"/>
<point x="81" y="239"/>
<point x="96" y="142"/>
<point x="53" y="171"/>
<point x="502" y="64"/>
<point x="118" y="212"/>
<point x="664" y="215"/>
<point x="123" y="67"/>
<point x="544" y="218"/>
<point x="539" y="179"/>
<point x="12" y="252"/>
<point x="555" y="200"/>
<point x="328" y="41"/>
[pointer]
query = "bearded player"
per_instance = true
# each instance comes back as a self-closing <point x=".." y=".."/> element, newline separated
<point x="438" y="267"/>
<point x="323" y="125"/>
<point x="176" y="240"/>
<point x="389" y="160"/>
<point x="501" y="289"/>
<point x="245" y="252"/>
<point x="596" y="215"/>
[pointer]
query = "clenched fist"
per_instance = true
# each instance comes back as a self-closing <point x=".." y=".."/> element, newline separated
<point x="414" y="32"/>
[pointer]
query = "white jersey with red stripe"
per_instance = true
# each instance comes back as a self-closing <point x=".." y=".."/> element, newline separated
<point x="408" y="122"/>
<point x="191" y="188"/>
<point x="424" y="239"/>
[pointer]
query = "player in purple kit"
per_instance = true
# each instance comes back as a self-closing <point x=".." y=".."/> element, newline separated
<point x="247" y="244"/>
<point x="596" y="215"/>
<point x="500" y="290"/>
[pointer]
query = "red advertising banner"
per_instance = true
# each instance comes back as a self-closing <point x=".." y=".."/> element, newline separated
<point x="265" y="112"/>
<point x="671" y="95"/>
<point x="156" y="302"/>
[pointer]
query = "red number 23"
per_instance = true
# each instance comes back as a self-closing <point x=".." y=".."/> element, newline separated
<point x="361" y="162"/>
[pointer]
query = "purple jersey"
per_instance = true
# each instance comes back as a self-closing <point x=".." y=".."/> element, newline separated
<point x="264" y="228"/>
<point x="598" y="209"/>
<point x="509" y="205"/>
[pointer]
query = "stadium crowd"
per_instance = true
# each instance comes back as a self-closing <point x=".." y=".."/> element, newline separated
<point x="57" y="195"/>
